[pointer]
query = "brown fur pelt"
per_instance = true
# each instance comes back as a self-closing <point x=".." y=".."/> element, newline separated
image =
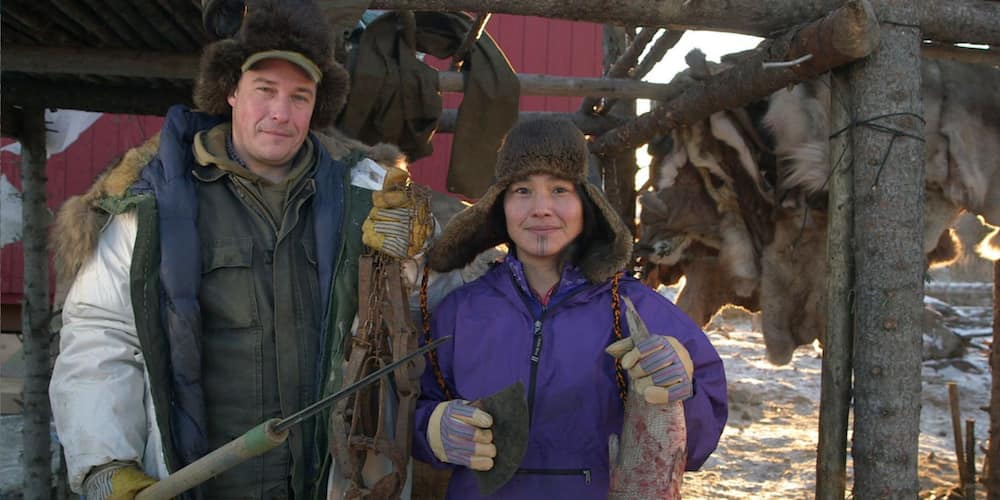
<point x="79" y="221"/>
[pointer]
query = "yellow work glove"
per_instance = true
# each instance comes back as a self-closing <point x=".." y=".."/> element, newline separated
<point x="116" y="481"/>
<point x="460" y="434"/>
<point x="660" y="367"/>
<point x="399" y="223"/>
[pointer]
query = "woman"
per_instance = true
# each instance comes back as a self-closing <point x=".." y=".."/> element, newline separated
<point x="544" y="317"/>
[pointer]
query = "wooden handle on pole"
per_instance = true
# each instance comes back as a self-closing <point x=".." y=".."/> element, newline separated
<point x="254" y="442"/>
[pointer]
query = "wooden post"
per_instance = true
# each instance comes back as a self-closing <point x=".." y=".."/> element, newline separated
<point x="36" y="311"/>
<point x="835" y="392"/>
<point x="993" y="451"/>
<point x="619" y="167"/>
<point x="888" y="257"/>
<point x="956" y="430"/>
<point x="969" y="488"/>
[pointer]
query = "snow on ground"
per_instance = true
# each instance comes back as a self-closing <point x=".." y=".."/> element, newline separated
<point x="768" y="449"/>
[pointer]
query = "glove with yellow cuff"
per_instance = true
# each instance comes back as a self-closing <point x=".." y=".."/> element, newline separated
<point x="116" y="481"/>
<point x="460" y="434"/>
<point x="399" y="223"/>
<point x="659" y="366"/>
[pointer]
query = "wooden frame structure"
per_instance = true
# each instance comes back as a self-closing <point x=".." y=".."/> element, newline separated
<point x="140" y="57"/>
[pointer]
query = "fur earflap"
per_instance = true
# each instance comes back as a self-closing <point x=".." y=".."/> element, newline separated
<point x="273" y="25"/>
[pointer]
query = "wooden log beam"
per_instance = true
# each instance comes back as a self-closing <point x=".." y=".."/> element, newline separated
<point x="973" y="21"/>
<point x="533" y="84"/>
<point x="846" y="34"/>
<point x="181" y="66"/>
<point x="934" y="50"/>
<point x="139" y="100"/>
<point x="588" y="124"/>
<point x="104" y="62"/>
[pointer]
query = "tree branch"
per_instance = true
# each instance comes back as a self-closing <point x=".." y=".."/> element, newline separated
<point x="846" y="34"/>
<point x="659" y="49"/>
<point x="623" y="65"/>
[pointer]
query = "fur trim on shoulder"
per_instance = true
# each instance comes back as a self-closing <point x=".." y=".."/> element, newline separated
<point x="79" y="221"/>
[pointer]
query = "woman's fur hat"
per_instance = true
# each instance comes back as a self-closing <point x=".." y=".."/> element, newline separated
<point x="549" y="146"/>
<point x="296" y="26"/>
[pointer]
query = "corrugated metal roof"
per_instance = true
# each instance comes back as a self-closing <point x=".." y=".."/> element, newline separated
<point x="56" y="51"/>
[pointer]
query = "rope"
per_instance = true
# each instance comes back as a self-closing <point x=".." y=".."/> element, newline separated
<point x="896" y="134"/>
<point x="617" y="311"/>
<point x="426" y="316"/>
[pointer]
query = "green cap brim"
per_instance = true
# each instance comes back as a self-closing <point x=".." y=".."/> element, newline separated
<point x="295" y="58"/>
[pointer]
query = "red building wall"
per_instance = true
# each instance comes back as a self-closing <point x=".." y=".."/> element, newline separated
<point x="70" y="173"/>
<point x="533" y="45"/>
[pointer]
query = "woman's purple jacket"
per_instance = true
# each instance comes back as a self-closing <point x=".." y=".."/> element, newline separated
<point x="572" y="391"/>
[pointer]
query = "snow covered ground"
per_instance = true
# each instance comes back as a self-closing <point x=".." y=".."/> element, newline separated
<point x="768" y="450"/>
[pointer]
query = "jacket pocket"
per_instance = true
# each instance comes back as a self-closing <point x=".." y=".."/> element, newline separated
<point x="227" y="295"/>
<point x="582" y="473"/>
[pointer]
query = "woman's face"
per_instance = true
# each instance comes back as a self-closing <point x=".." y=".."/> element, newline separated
<point x="544" y="215"/>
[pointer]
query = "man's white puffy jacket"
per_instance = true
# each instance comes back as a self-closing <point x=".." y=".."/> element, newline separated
<point x="100" y="373"/>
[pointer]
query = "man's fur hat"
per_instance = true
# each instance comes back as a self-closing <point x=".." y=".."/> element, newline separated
<point x="297" y="26"/>
<point x="548" y="146"/>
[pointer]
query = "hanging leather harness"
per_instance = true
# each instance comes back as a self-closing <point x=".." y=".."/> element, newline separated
<point x="378" y="418"/>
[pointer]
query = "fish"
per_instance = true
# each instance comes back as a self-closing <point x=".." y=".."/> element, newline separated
<point x="648" y="459"/>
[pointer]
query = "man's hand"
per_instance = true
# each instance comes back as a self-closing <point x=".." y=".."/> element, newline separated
<point x="460" y="434"/>
<point x="116" y="481"/>
<point x="660" y="368"/>
<point x="399" y="223"/>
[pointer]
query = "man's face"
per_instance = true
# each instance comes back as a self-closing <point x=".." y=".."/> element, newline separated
<point x="272" y="106"/>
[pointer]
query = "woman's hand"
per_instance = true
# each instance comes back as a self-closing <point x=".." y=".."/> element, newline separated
<point x="460" y="434"/>
<point x="659" y="366"/>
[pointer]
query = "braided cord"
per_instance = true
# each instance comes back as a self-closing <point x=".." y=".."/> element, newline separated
<point x="617" y="311"/>
<point x="426" y="316"/>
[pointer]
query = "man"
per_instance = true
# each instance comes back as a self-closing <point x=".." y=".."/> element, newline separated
<point x="216" y="271"/>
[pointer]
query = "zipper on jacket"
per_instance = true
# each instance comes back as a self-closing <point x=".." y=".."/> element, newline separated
<point x="536" y="354"/>
<point x="536" y="347"/>
<point x="558" y="472"/>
